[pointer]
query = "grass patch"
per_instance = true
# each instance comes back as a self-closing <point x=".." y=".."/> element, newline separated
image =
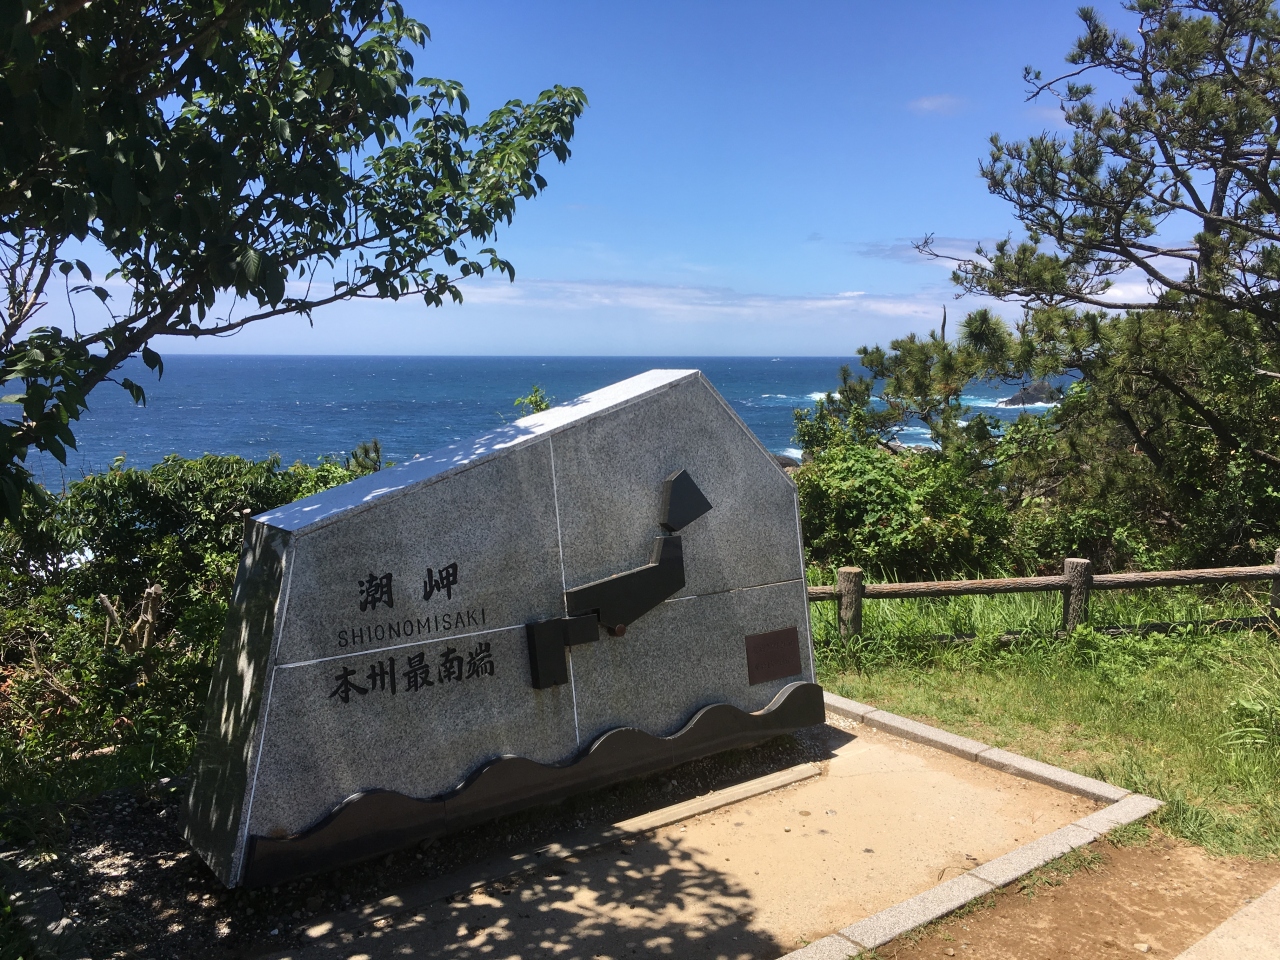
<point x="1056" y="872"/>
<point x="1188" y="715"/>
<point x="1136" y="834"/>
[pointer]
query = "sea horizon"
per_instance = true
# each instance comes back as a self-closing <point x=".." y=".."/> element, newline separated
<point x="306" y="406"/>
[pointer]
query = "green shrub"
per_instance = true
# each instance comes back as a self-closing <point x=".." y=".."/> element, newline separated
<point x="900" y="516"/>
<point x="92" y="698"/>
<point x="1045" y="532"/>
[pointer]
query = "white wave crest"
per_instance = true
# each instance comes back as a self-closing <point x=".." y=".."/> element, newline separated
<point x="998" y="403"/>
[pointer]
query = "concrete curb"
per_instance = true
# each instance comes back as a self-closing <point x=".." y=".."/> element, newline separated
<point x="880" y="928"/>
<point x="1051" y="776"/>
<point x="918" y="732"/>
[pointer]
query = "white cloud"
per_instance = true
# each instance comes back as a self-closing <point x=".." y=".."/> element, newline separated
<point x="559" y="317"/>
<point x="903" y="250"/>
<point x="663" y="302"/>
<point x="1134" y="286"/>
<point x="1048" y="114"/>
<point x="943" y="103"/>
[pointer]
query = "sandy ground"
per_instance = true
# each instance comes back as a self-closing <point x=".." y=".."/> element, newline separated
<point x="133" y="889"/>
<point x="886" y="820"/>
<point x="1164" y="896"/>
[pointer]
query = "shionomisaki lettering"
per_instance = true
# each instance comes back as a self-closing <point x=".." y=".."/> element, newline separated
<point x="410" y="628"/>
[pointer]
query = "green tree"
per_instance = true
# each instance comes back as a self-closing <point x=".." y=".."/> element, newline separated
<point x="917" y="380"/>
<point x="1148" y="272"/>
<point x="366" y="457"/>
<point x="232" y="162"/>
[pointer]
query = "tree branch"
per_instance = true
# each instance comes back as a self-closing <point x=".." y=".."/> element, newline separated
<point x="55" y="17"/>
<point x="1140" y="437"/>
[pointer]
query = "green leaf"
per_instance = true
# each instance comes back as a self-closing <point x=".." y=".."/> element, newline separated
<point x="56" y="448"/>
<point x="58" y="86"/>
<point x="153" y="361"/>
<point x="250" y="262"/>
<point x="135" y="391"/>
<point x="123" y="193"/>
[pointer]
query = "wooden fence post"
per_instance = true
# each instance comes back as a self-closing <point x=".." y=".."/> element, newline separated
<point x="1075" y="599"/>
<point x="1275" y="591"/>
<point x="849" y="590"/>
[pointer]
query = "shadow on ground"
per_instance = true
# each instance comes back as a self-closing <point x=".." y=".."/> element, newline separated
<point x="132" y="886"/>
<point x="656" y="898"/>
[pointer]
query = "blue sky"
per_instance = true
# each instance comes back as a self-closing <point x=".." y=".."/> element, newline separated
<point x="746" y="180"/>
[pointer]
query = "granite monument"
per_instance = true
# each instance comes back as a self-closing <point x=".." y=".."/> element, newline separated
<point x="597" y="591"/>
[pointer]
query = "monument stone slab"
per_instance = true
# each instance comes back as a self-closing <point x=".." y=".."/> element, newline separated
<point x="571" y="599"/>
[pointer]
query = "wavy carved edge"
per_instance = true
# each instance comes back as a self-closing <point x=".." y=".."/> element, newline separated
<point x="376" y="822"/>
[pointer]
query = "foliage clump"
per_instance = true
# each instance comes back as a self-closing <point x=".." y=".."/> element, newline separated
<point x="912" y="517"/>
<point x="1146" y="283"/>
<point x="112" y="603"/>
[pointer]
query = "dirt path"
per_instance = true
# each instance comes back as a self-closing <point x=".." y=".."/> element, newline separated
<point x="1165" y="895"/>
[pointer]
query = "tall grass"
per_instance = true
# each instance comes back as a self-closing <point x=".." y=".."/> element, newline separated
<point x="1190" y="714"/>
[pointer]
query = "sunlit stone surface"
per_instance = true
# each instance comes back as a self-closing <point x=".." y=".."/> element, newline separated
<point x="377" y="637"/>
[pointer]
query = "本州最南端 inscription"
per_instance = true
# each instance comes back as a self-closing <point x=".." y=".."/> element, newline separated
<point x="449" y="667"/>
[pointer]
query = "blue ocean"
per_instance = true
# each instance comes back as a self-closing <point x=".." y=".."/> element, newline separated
<point x="303" y="408"/>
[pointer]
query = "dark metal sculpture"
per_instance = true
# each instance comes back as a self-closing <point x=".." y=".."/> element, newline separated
<point x="618" y="601"/>
<point x="682" y="501"/>
<point x="547" y="642"/>
<point x="625" y="597"/>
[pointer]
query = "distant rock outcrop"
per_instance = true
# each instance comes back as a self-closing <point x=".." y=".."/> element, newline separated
<point x="789" y="465"/>
<point x="1040" y="392"/>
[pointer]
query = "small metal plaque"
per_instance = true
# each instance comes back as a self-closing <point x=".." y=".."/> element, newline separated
<point x="773" y="655"/>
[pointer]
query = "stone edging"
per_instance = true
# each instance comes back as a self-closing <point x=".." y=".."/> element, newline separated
<point x="880" y="928"/>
